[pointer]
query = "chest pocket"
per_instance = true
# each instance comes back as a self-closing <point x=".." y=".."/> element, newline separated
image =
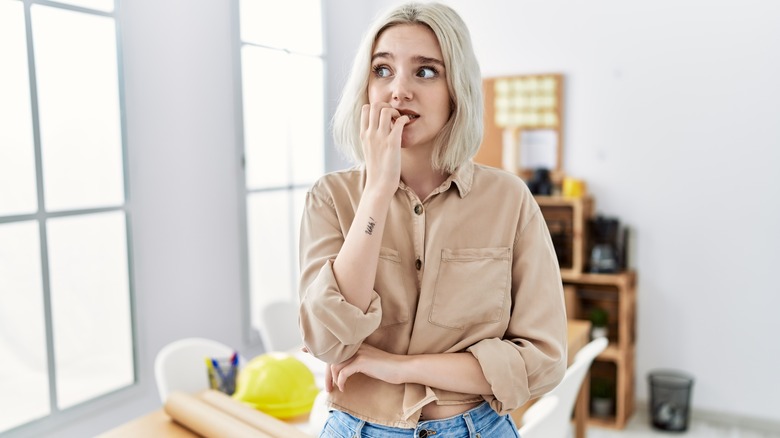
<point x="472" y="286"/>
<point x="389" y="285"/>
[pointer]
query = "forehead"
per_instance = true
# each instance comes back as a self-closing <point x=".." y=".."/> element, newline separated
<point x="408" y="39"/>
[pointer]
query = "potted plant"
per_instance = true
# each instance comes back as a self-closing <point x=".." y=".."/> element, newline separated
<point x="599" y="318"/>
<point x="602" y="397"/>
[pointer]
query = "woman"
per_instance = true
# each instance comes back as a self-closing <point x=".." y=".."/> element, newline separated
<point x="429" y="283"/>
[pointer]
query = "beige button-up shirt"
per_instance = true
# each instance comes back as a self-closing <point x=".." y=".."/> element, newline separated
<point x="469" y="268"/>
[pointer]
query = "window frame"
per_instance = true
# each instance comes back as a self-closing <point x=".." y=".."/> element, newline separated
<point x="60" y="416"/>
<point x="251" y="334"/>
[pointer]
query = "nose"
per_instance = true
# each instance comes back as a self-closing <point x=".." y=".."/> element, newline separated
<point x="401" y="89"/>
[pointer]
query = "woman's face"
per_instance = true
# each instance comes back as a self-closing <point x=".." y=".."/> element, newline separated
<point x="408" y="73"/>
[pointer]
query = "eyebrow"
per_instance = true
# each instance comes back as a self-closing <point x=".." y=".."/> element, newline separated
<point x="419" y="58"/>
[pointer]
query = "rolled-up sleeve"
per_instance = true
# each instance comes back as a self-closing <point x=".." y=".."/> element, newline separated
<point x="530" y="360"/>
<point x="332" y="328"/>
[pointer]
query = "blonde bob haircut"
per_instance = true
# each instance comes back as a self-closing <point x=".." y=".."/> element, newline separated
<point x="461" y="136"/>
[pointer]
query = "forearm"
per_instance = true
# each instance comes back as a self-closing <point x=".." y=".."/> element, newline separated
<point x="356" y="264"/>
<point x="458" y="372"/>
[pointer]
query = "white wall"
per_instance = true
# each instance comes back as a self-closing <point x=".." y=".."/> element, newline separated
<point x="672" y="119"/>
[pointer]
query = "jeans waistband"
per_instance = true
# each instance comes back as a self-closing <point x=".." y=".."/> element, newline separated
<point x="460" y="425"/>
<point x="477" y="414"/>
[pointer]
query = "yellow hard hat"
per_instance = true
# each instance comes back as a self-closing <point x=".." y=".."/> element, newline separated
<point x="278" y="384"/>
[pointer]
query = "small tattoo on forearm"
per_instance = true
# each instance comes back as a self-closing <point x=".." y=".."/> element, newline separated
<point x="370" y="226"/>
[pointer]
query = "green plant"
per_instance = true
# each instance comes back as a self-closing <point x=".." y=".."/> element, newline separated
<point x="599" y="317"/>
<point x="601" y="387"/>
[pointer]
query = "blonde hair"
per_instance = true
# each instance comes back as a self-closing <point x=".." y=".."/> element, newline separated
<point x="461" y="136"/>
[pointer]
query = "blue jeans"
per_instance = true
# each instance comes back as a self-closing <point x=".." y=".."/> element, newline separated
<point x="480" y="422"/>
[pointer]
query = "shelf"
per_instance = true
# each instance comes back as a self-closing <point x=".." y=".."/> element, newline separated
<point x="612" y="353"/>
<point x="560" y="201"/>
<point x="615" y="293"/>
<point x="604" y="422"/>
<point x="625" y="278"/>
<point x="567" y="220"/>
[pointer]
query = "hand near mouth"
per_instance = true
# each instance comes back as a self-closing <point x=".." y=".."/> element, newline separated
<point x="381" y="127"/>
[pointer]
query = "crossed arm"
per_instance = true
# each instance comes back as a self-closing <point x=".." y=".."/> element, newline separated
<point x="458" y="372"/>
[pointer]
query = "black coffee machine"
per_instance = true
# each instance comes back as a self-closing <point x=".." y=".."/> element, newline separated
<point x="540" y="183"/>
<point x="608" y="249"/>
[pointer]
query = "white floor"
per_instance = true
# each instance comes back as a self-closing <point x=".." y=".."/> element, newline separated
<point x="639" y="427"/>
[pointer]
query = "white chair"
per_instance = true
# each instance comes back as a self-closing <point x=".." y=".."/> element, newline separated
<point x="180" y="365"/>
<point x="279" y="326"/>
<point x="279" y="332"/>
<point x="537" y="416"/>
<point x="319" y="414"/>
<point x="554" y="422"/>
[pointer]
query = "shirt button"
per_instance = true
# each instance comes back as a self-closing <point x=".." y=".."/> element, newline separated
<point x="418" y="209"/>
<point x="418" y="264"/>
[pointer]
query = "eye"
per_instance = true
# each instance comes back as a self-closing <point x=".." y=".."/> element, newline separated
<point x="381" y="71"/>
<point x="427" y="72"/>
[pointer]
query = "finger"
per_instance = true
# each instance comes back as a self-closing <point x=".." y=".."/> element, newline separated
<point x="364" y="115"/>
<point x="304" y="349"/>
<point x="386" y="119"/>
<point x="398" y="129"/>
<point x="328" y="383"/>
<point x="342" y="379"/>
<point x="374" y="114"/>
<point x="334" y="374"/>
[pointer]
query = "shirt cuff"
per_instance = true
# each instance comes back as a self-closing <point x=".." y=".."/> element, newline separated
<point x="504" y="369"/>
<point x="333" y="328"/>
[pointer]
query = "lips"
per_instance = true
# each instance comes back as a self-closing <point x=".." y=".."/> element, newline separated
<point x="412" y="115"/>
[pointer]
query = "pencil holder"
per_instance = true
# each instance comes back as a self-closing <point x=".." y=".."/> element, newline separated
<point x="222" y="373"/>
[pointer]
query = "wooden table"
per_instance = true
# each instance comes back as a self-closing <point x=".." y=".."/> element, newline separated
<point x="155" y="424"/>
<point x="159" y="424"/>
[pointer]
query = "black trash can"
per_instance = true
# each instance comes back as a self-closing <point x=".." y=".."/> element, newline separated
<point x="670" y="399"/>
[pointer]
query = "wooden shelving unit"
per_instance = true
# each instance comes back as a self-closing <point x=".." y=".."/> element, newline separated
<point x="567" y="220"/>
<point x="617" y="294"/>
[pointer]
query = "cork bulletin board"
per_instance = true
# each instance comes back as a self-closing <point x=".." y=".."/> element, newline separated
<point x="524" y="123"/>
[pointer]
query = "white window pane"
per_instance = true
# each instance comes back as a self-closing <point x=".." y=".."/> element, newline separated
<point x="283" y="118"/>
<point x="78" y="100"/>
<point x="17" y="155"/>
<point x="307" y="131"/>
<point x="100" y="5"/>
<point x="90" y="305"/>
<point x="299" y="201"/>
<point x="266" y="103"/>
<point x="24" y="381"/>
<point x="270" y="249"/>
<point x="295" y="25"/>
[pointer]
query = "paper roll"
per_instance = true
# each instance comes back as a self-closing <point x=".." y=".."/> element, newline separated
<point x="258" y="420"/>
<point x="202" y="418"/>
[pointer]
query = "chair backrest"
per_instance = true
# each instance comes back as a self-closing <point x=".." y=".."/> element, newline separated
<point x="180" y="365"/>
<point x="536" y="423"/>
<point x="279" y="326"/>
<point x="319" y="414"/>
<point x="556" y="424"/>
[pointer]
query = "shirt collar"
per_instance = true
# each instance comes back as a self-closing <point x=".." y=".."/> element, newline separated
<point x="462" y="177"/>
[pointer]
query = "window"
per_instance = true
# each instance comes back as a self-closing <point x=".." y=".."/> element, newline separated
<point x="283" y="137"/>
<point x="65" y="307"/>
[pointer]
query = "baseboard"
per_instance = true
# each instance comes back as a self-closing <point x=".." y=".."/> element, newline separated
<point x="720" y="418"/>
